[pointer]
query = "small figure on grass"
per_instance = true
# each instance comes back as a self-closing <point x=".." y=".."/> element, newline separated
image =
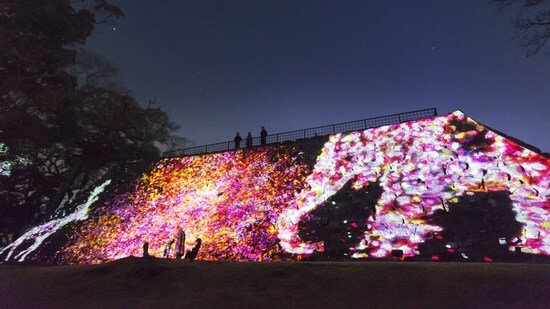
<point x="146" y="250"/>
<point x="180" y="243"/>
<point x="168" y="248"/>
<point x="191" y="255"/>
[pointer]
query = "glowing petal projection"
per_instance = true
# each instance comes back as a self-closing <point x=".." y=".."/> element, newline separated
<point x="230" y="200"/>
<point x="444" y="185"/>
<point x="38" y="234"/>
<point x="424" y="166"/>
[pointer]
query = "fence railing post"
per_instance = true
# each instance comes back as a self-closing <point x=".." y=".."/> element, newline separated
<point x="294" y="135"/>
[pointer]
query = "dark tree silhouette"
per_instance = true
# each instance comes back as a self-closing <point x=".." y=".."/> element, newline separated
<point x="532" y="23"/>
<point x="61" y="127"/>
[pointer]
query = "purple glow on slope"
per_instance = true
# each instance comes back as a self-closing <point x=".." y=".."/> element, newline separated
<point x="246" y="205"/>
<point x="422" y="166"/>
<point x="230" y="200"/>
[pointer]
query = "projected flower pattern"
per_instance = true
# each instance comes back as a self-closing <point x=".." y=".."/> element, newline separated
<point x="423" y="166"/>
<point x="246" y="205"/>
<point x="230" y="200"/>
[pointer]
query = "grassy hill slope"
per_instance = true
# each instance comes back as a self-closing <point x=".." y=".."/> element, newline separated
<point x="136" y="282"/>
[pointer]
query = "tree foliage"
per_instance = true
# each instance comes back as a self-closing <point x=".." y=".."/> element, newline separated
<point x="60" y="125"/>
<point x="532" y="23"/>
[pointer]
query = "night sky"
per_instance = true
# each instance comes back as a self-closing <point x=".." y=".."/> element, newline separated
<point x="218" y="67"/>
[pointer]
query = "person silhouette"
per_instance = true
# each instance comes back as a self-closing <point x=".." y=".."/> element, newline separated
<point x="146" y="250"/>
<point x="238" y="140"/>
<point x="249" y="140"/>
<point x="168" y="248"/>
<point x="191" y="255"/>
<point x="263" y="137"/>
<point x="180" y="243"/>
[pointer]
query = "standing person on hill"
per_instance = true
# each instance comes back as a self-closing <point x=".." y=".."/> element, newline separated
<point x="249" y="140"/>
<point x="238" y="140"/>
<point x="180" y="243"/>
<point x="191" y="255"/>
<point x="168" y="248"/>
<point x="146" y="250"/>
<point x="263" y="137"/>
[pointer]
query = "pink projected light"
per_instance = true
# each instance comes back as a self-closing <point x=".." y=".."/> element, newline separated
<point x="230" y="200"/>
<point x="422" y="166"/>
<point x="246" y="205"/>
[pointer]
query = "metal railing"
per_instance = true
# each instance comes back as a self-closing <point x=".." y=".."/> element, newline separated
<point x="293" y="136"/>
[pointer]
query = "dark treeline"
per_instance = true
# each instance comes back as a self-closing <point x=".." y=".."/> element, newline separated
<point x="63" y="125"/>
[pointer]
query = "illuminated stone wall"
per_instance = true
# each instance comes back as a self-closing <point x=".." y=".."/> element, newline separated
<point x="444" y="188"/>
<point x="231" y="200"/>
<point x="429" y="171"/>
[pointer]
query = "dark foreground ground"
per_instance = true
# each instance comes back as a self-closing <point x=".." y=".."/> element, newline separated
<point x="135" y="282"/>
